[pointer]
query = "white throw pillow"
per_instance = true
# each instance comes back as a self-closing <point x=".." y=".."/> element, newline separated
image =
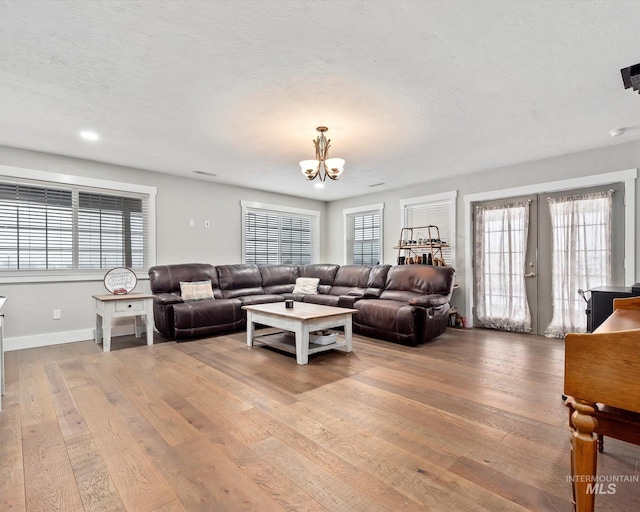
<point x="308" y="285"/>
<point x="197" y="290"/>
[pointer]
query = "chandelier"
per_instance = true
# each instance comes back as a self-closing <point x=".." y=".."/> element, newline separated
<point x="322" y="166"/>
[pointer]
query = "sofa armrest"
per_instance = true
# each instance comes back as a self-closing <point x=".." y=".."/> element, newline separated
<point x="164" y="299"/>
<point x="430" y="301"/>
<point x="372" y="293"/>
<point x="347" y="301"/>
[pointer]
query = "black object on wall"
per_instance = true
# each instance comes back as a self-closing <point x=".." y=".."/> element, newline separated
<point x="631" y="77"/>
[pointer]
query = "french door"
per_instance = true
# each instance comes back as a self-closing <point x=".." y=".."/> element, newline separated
<point x="519" y="275"/>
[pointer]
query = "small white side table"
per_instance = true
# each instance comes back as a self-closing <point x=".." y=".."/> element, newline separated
<point x="134" y="305"/>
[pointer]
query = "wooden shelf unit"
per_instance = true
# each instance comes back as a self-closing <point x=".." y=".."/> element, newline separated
<point x="410" y="248"/>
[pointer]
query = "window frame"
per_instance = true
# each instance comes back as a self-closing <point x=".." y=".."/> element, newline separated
<point x="450" y="196"/>
<point x="346" y="213"/>
<point x="313" y="215"/>
<point x="54" y="180"/>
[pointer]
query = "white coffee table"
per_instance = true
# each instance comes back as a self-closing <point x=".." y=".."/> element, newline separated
<point x="301" y="319"/>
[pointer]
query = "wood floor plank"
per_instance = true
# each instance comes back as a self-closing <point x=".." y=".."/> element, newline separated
<point x="13" y="499"/>
<point x="69" y="417"/>
<point x="174" y="506"/>
<point x="36" y="405"/>
<point x="11" y="456"/>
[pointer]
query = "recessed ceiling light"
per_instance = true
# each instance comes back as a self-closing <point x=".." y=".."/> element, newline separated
<point x="320" y="184"/>
<point x="89" y="135"/>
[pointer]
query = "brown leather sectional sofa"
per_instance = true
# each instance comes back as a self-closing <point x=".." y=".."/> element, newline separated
<point x="406" y="304"/>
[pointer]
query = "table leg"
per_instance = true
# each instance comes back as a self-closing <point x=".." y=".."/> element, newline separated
<point x="137" y="332"/>
<point x="106" y="332"/>
<point x="302" y="344"/>
<point x="583" y="455"/>
<point x="98" y="337"/>
<point x="251" y="329"/>
<point x="149" y="328"/>
<point x="348" y="333"/>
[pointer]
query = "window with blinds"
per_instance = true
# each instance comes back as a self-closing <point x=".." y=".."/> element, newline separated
<point x="364" y="235"/>
<point x="272" y="236"/>
<point x="434" y="211"/>
<point x="54" y="227"/>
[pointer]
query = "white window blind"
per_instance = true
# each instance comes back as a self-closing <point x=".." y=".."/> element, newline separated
<point x="364" y="236"/>
<point x="434" y="213"/>
<point x="51" y="227"/>
<point x="110" y="231"/>
<point x="272" y="236"/>
<point x="36" y="228"/>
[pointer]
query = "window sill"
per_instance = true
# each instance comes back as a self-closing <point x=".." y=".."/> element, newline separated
<point x="62" y="276"/>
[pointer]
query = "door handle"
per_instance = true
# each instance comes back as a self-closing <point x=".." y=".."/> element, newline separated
<point x="530" y="274"/>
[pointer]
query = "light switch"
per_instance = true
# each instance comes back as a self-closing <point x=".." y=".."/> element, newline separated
<point x="192" y="223"/>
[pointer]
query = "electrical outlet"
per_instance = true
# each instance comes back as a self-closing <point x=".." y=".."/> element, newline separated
<point x="192" y="223"/>
<point x="57" y="314"/>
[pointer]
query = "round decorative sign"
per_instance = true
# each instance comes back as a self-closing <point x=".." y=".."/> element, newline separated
<point x="120" y="280"/>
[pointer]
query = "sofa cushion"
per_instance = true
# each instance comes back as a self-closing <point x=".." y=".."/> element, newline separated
<point x="377" y="280"/>
<point x="278" y="278"/>
<point x="306" y="285"/>
<point x="390" y="315"/>
<point x="350" y="280"/>
<point x="325" y="299"/>
<point x="239" y="280"/>
<point x="197" y="290"/>
<point x="192" y="315"/>
<point x="323" y="271"/>
<point x="405" y="282"/>
<point x="166" y="278"/>
<point x="248" y="300"/>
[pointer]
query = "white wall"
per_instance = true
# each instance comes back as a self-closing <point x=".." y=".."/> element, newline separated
<point x="597" y="161"/>
<point x="29" y="308"/>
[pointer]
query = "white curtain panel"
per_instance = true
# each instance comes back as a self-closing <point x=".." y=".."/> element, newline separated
<point x="581" y="228"/>
<point x="501" y="245"/>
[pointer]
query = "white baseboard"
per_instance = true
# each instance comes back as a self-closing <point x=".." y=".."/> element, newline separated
<point x="57" y="338"/>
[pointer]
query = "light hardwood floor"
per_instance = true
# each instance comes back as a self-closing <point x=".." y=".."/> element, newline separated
<point x="472" y="421"/>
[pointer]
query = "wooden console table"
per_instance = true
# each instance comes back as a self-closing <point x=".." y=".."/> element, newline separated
<point x="602" y="368"/>
<point x="135" y="305"/>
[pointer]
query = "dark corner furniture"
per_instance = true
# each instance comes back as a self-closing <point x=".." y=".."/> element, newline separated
<point x="407" y="304"/>
<point x="600" y="304"/>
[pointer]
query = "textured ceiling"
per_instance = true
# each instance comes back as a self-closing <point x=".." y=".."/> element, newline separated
<point x="409" y="89"/>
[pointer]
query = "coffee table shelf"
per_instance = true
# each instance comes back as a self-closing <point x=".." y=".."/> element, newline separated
<point x="286" y="341"/>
